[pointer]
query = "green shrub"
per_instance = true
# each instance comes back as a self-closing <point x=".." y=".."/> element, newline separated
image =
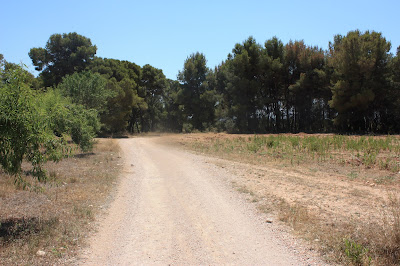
<point x="34" y="125"/>
<point x="357" y="253"/>
<point x="83" y="126"/>
<point x="24" y="130"/>
<point x="187" y="128"/>
<point x="87" y="89"/>
<point x="66" y="118"/>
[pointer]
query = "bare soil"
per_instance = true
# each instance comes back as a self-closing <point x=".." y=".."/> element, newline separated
<point x="174" y="207"/>
<point x="326" y="189"/>
<point x="174" y="204"/>
<point x="56" y="220"/>
<point x="324" y="202"/>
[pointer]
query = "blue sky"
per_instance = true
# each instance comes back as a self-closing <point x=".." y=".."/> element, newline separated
<point x="164" y="33"/>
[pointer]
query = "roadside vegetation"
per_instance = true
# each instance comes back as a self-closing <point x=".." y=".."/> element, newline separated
<point x="54" y="176"/>
<point x="270" y="87"/>
<point x="274" y="87"/>
<point x="49" y="227"/>
<point x="339" y="192"/>
<point x="366" y="151"/>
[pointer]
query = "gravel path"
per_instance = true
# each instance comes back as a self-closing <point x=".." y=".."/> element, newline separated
<point x="172" y="207"/>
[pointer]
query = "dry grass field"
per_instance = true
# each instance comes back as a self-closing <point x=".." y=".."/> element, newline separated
<point x="341" y="193"/>
<point x="49" y="226"/>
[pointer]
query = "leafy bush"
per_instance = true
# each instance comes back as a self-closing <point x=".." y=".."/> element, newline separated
<point x="87" y="89"/>
<point x="34" y="125"/>
<point x="83" y="126"/>
<point x="187" y="128"/>
<point x="24" y="130"/>
<point x="357" y="253"/>
<point x="71" y="119"/>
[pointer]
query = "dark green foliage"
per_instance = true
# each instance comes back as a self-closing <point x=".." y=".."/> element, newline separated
<point x="121" y="106"/>
<point x="394" y="95"/>
<point x="274" y="89"/>
<point x="125" y="109"/>
<point x="311" y="92"/>
<point x="395" y="68"/>
<point x="197" y="95"/>
<point x="295" y="87"/>
<point x="173" y="115"/>
<point x="154" y="84"/>
<point x="277" y="87"/>
<point x="63" y="55"/>
<point x="272" y="84"/>
<point x="244" y="86"/>
<point x="360" y="80"/>
<point x="113" y="68"/>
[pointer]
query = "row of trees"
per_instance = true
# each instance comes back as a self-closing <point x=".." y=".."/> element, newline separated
<point x="353" y="87"/>
<point x="275" y="87"/>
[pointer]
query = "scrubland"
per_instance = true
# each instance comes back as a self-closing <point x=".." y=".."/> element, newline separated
<point x="339" y="192"/>
<point x="48" y="225"/>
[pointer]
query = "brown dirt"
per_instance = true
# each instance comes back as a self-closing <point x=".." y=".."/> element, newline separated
<point x="57" y="219"/>
<point x="339" y="206"/>
<point x="324" y="188"/>
<point x="175" y="207"/>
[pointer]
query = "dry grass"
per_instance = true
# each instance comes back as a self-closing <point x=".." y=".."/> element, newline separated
<point x="340" y="193"/>
<point x="57" y="219"/>
<point x="350" y="241"/>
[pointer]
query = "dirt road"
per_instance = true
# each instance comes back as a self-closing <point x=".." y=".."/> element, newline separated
<point x="172" y="207"/>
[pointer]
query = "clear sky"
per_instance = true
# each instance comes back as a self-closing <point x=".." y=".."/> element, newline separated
<point x="164" y="33"/>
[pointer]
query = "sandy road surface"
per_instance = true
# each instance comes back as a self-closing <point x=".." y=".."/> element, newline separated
<point x="172" y="207"/>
